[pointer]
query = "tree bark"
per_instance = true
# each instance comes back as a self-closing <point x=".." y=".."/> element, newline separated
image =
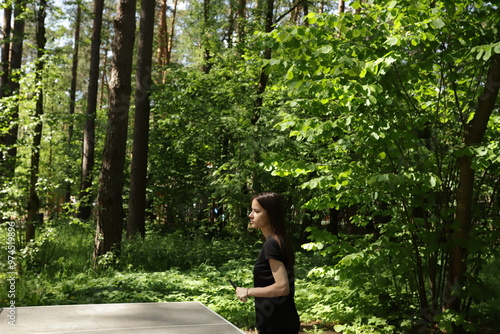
<point x="5" y="171"/>
<point x="465" y="190"/>
<point x="172" y="33"/>
<point x="109" y="212"/>
<point x="341" y="7"/>
<point x="165" y="37"/>
<point x="207" y="56"/>
<point x="5" y="46"/>
<point x="264" y="77"/>
<point x="72" y="92"/>
<point x="33" y="200"/>
<point x="162" y="36"/>
<point x="88" y="145"/>
<point x="241" y="21"/>
<point x="9" y="140"/>
<point x="136" y="222"/>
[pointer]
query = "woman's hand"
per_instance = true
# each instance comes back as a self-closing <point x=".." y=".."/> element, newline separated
<point x="242" y="294"/>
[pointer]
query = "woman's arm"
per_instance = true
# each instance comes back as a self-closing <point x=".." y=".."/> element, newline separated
<point x="280" y="287"/>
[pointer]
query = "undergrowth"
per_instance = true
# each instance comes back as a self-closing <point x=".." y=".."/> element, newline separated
<point x="57" y="269"/>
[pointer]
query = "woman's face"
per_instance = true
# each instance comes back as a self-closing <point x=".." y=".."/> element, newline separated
<point x="258" y="216"/>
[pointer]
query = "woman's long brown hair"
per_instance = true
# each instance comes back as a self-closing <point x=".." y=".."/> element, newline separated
<point x="273" y="204"/>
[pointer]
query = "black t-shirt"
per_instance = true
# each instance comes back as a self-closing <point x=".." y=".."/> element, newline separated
<point x="277" y="314"/>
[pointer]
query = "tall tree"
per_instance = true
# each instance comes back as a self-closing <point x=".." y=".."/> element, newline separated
<point x="9" y="139"/>
<point x="88" y="145"/>
<point x="207" y="52"/>
<point x="33" y="199"/>
<point x="166" y="36"/>
<point x="171" y="34"/>
<point x="241" y="21"/>
<point x="5" y="48"/>
<point x="109" y="212"/>
<point x="72" y="92"/>
<point x="4" y="83"/>
<point x="465" y="190"/>
<point x="162" y="35"/>
<point x="138" y="173"/>
<point x="264" y="76"/>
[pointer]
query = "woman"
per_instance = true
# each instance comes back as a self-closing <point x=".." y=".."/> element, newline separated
<point x="274" y="270"/>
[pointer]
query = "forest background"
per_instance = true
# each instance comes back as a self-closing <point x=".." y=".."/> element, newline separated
<point x="133" y="135"/>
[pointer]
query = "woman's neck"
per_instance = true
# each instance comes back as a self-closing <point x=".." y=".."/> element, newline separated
<point x="266" y="232"/>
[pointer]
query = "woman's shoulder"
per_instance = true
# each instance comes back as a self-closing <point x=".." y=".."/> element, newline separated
<point x="272" y="244"/>
<point x="272" y="240"/>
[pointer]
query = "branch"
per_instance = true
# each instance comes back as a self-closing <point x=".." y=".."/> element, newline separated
<point x="290" y="10"/>
<point x="486" y="103"/>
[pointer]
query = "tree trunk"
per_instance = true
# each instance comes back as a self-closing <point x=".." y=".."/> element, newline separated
<point x="463" y="214"/>
<point x="264" y="77"/>
<point x="33" y="200"/>
<point x="72" y="93"/>
<point x="5" y="84"/>
<point x="162" y="36"/>
<point x="138" y="173"/>
<point x="9" y="139"/>
<point x="165" y="37"/>
<point x="207" y="57"/>
<point x="88" y="145"/>
<point x="241" y="22"/>
<point x="109" y="212"/>
<point x="172" y="33"/>
<point x="231" y="22"/>
<point x="341" y="6"/>
<point x="5" y="47"/>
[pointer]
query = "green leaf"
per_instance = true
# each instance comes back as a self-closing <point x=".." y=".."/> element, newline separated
<point x="438" y="23"/>
<point x="432" y="181"/>
<point x="391" y="5"/>
<point x="497" y="48"/>
<point x="339" y="328"/>
<point x="363" y="73"/>
<point x="480" y="53"/>
<point x="487" y="54"/>
<point x="325" y="49"/>
<point x="289" y="73"/>
<point x="311" y="18"/>
<point x="392" y="41"/>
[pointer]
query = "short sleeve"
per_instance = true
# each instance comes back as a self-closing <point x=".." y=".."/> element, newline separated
<point x="272" y="250"/>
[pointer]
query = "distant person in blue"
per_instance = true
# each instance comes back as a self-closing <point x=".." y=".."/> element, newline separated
<point x="274" y="270"/>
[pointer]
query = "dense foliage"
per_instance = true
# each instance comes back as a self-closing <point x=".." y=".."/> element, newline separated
<point x="365" y="120"/>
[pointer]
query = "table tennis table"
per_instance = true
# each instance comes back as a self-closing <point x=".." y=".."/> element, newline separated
<point x="136" y="318"/>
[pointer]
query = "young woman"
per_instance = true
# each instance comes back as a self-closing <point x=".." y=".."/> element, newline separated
<point x="274" y="270"/>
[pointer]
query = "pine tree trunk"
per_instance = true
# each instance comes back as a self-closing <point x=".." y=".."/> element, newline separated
<point x="138" y="178"/>
<point x="5" y="171"/>
<point x="88" y="145"/>
<point x="109" y="212"/>
<point x="9" y="139"/>
<point x="5" y="47"/>
<point x="241" y="22"/>
<point x="72" y="93"/>
<point x="264" y="77"/>
<point x="172" y="33"/>
<point x="207" y="57"/>
<point x="162" y="35"/>
<point x="33" y="200"/>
